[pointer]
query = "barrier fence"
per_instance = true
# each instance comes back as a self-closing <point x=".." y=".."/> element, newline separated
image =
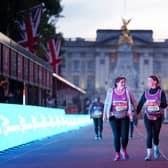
<point x="20" y="124"/>
<point x="166" y="115"/>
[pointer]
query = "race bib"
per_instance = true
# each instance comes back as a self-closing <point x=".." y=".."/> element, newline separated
<point x="152" y="106"/>
<point x="97" y="113"/>
<point x="121" y="105"/>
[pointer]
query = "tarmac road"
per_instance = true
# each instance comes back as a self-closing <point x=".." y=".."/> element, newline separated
<point x="78" y="149"/>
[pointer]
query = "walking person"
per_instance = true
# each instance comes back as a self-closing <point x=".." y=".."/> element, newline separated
<point x="96" y="113"/>
<point x="134" y="122"/>
<point x="3" y="88"/>
<point x="117" y="109"/>
<point x="154" y="100"/>
<point x="2" y="93"/>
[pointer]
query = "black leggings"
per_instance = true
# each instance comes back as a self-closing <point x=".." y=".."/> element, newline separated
<point x="153" y="130"/>
<point x="120" y="129"/>
<point x="98" y="126"/>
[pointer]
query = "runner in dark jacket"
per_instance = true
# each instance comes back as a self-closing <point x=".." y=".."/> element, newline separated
<point x="154" y="100"/>
<point x="96" y="113"/>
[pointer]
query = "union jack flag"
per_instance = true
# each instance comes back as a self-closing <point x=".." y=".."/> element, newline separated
<point x="28" y="30"/>
<point x="53" y="57"/>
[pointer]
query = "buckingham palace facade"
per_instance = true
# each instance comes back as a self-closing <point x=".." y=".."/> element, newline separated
<point x="93" y="64"/>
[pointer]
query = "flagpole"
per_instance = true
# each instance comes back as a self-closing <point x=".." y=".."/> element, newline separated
<point x="124" y="9"/>
<point x="24" y="94"/>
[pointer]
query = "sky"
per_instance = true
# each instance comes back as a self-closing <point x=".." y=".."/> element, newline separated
<point x="81" y="18"/>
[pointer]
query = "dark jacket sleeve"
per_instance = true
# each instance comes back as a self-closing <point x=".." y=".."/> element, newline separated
<point x="163" y="103"/>
<point x="141" y="103"/>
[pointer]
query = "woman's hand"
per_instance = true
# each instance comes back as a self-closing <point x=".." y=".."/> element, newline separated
<point x="130" y="115"/>
<point x="104" y="117"/>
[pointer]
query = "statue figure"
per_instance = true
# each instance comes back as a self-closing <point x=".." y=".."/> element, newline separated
<point x="124" y="26"/>
<point x="125" y="37"/>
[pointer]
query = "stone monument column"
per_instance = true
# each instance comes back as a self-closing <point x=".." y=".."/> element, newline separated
<point x="125" y="65"/>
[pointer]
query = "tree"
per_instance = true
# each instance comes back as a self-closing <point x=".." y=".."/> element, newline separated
<point x="10" y="10"/>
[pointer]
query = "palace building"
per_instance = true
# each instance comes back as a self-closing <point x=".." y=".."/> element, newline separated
<point x="93" y="65"/>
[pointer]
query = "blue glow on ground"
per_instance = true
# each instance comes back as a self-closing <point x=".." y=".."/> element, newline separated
<point x="20" y="124"/>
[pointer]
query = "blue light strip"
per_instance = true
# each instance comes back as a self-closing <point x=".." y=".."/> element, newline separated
<point x="20" y="124"/>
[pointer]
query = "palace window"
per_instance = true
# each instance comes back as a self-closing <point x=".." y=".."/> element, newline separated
<point x="76" y="66"/>
<point x="89" y="66"/>
<point x="90" y="84"/>
<point x="76" y="81"/>
<point x="146" y="62"/>
<point x="157" y="66"/>
<point x="102" y="61"/>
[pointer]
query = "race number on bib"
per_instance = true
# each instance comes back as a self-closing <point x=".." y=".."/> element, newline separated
<point x="152" y="106"/>
<point x="97" y="113"/>
<point x="121" y="105"/>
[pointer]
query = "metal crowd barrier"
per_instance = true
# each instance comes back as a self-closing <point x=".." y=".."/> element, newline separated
<point x="166" y="115"/>
<point x="21" y="124"/>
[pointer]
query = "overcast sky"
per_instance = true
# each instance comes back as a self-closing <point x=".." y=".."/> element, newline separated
<point x="83" y="17"/>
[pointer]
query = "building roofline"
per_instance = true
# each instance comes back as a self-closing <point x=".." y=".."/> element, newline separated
<point x="131" y="30"/>
<point x="68" y="83"/>
<point x="18" y="48"/>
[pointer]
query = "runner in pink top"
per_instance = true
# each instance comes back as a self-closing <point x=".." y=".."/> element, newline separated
<point x="117" y="108"/>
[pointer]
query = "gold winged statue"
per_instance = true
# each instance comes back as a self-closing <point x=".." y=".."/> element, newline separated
<point x="125" y="37"/>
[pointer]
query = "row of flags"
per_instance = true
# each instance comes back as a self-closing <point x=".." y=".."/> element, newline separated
<point x="28" y="34"/>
